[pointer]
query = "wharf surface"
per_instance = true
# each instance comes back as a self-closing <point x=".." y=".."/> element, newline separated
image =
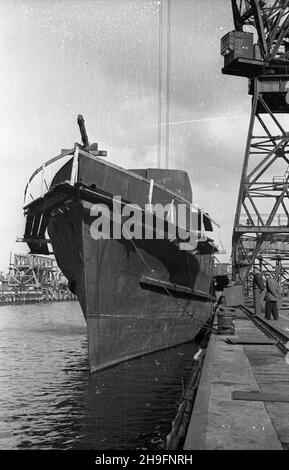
<point x="219" y="421"/>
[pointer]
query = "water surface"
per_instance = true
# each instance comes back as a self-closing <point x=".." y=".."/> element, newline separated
<point x="49" y="399"/>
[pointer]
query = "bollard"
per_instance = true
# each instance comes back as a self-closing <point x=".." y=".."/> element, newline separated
<point x="225" y="323"/>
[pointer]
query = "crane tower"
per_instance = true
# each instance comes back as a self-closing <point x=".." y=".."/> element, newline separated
<point x="258" y="49"/>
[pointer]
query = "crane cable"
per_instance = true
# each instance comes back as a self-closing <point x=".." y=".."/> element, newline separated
<point x="168" y="83"/>
<point x="160" y="76"/>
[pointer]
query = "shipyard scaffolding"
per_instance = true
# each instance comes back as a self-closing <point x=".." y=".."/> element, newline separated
<point x="32" y="271"/>
<point x="259" y="50"/>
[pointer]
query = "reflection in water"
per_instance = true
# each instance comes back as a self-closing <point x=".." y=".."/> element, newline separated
<point x="49" y="400"/>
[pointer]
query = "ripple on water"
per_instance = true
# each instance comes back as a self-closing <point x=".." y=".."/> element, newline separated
<point x="49" y="400"/>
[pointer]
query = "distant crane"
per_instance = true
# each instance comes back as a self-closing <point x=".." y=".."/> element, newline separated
<point x="258" y="49"/>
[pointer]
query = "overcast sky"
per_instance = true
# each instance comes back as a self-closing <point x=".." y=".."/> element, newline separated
<point x="99" y="58"/>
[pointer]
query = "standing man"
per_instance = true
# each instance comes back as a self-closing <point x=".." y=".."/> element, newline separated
<point x="272" y="296"/>
<point x="258" y="289"/>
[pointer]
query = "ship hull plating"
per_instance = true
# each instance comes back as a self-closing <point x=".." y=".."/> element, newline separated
<point x="126" y="317"/>
<point x="137" y="295"/>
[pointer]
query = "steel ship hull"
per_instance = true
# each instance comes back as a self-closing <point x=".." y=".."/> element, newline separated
<point x="137" y="296"/>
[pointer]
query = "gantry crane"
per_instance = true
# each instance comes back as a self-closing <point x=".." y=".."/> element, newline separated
<point x="258" y="49"/>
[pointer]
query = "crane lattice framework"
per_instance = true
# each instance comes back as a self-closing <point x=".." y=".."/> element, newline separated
<point x="259" y="50"/>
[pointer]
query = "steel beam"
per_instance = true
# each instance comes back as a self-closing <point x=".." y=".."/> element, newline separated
<point x="264" y="184"/>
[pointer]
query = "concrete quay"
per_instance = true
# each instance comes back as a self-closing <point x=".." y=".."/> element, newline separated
<point x="223" y="417"/>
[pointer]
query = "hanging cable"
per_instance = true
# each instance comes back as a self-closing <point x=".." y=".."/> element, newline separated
<point x="168" y="84"/>
<point x="160" y="72"/>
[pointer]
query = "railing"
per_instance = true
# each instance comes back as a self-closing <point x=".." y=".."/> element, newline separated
<point x="279" y="219"/>
<point x="44" y="184"/>
<point x="44" y="178"/>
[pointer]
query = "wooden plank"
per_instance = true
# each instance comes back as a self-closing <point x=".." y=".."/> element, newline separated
<point x="28" y="226"/>
<point x="272" y="375"/>
<point x="35" y="227"/>
<point x="260" y="396"/>
<point x="252" y="341"/>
